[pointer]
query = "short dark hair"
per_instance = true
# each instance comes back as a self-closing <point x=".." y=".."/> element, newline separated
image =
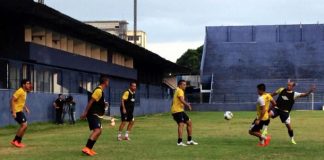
<point x="132" y="82"/>
<point x="181" y="81"/>
<point x="103" y="79"/>
<point x="261" y="87"/>
<point x="59" y="95"/>
<point x="24" y="81"/>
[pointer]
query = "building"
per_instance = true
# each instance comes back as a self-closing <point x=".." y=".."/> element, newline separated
<point x="63" y="55"/>
<point x="117" y="28"/>
<point x="237" y="58"/>
<point x="141" y="39"/>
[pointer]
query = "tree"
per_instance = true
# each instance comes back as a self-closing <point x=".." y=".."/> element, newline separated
<point x="191" y="59"/>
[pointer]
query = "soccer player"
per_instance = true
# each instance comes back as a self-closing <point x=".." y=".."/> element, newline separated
<point x="263" y="104"/>
<point x="93" y="112"/>
<point x="126" y="111"/>
<point x="285" y="101"/>
<point x="18" y="105"/>
<point x="177" y="110"/>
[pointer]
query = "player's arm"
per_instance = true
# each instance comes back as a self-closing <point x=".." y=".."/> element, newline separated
<point x="55" y="105"/>
<point x="124" y="98"/>
<point x="123" y="106"/>
<point x="26" y="109"/>
<point x="85" y="112"/>
<point x="12" y="103"/>
<point x="278" y="91"/>
<point x="182" y="100"/>
<point x="273" y="103"/>
<point x="263" y="111"/>
<point x="311" y="90"/>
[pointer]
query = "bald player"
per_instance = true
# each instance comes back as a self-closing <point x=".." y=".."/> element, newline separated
<point x="285" y="101"/>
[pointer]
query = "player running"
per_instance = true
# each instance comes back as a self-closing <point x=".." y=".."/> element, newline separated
<point x="180" y="116"/>
<point x="263" y="106"/>
<point x="93" y="112"/>
<point x="126" y="111"/>
<point x="285" y="101"/>
<point x="18" y="105"/>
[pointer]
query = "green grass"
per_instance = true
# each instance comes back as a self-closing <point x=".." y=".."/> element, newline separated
<point x="154" y="137"/>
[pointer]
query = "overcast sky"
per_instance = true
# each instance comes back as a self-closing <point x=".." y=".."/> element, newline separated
<point x="173" y="26"/>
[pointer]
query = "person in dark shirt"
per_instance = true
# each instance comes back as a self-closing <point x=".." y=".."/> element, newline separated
<point x="58" y="105"/>
<point x="126" y="111"/>
<point x="285" y="101"/>
<point x="71" y="109"/>
<point x="94" y="112"/>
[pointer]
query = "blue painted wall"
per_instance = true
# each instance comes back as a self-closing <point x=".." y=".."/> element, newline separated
<point x="41" y="106"/>
<point x="240" y="57"/>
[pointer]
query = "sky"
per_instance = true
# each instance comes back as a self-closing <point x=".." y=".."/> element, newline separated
<point x="173" y="26"/>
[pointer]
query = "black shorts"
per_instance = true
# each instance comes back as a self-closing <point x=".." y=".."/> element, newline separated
<point x="94" y="122"/>
<point x="128" y="117"/>
<point x="258" y="127"/>
<point x="284" y="116"/>
<point x="20" y="117"/>
<point x="180" y="117"/>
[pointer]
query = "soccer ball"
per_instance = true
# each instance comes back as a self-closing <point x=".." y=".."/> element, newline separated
<point x="228" y="115"/>
<point x="112" y="122"/>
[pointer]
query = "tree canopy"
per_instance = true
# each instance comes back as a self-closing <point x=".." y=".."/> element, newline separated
<point x="191" y="59"/>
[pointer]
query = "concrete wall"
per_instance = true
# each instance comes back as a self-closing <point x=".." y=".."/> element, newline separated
<point x="41" y="107"/>
<point x="240" y="57"/>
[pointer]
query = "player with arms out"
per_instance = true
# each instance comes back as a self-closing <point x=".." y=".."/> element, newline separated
<point x="93" y="112"/>
<point x="285" y="101"/>
<point x="18" y="105"/>
<point x="180" y="116"/>
<point x="263" y="106"/>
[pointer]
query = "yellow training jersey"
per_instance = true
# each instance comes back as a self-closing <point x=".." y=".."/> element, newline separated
<point x="264" y="101"/>
<point x="177" y="105"/>
<point x="97" y="94"/>
<point x="21" y="96"/>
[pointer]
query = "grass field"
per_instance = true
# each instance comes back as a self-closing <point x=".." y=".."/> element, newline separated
<point x="154" y="137"/>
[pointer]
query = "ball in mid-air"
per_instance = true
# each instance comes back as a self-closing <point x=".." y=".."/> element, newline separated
<point x="228" y="115"/>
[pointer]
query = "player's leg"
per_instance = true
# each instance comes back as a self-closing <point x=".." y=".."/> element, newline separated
<point x="129" y="128"/>
<point x="21" y="119"/>
<point x="180" y="122"/>
<point x="189" y="130"/>
<point x="180" y="132"/>
<point x="290" y="130"/>
<point x="265" y="127"/>
<point x="122" y="125"/>
<point x="255" y="131"/>
<point x="95" y="127"/>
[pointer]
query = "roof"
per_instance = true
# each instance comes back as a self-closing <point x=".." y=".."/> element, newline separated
<point x="30" y="12"/>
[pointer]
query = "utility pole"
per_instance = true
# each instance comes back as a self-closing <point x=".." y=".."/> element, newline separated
<point x="135" y="21"/>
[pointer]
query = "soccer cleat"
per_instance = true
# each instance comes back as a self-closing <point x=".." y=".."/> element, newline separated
<point x="261" y="144"/>
<point x="93" y="152"/>
<point x="87" y="151"/>
<point x="22" y="145"/>
<point x="17" y="144"/>
<point x="192" y="142"/>
<point x="293" y="141"/>
<point x="119" y="138"/>
<point x="267" y="141"/>
<point x="181" y="144"/>
<point x="127" y="139"/>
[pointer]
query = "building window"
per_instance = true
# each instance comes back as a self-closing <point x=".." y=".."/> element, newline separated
<point x="3" y="74"/>
<point x="14" y="77"/>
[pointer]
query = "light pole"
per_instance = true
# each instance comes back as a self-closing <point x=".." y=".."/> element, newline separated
<point x="135" y="21"/>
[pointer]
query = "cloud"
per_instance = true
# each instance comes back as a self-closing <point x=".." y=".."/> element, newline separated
<point x="173" y="50"/>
